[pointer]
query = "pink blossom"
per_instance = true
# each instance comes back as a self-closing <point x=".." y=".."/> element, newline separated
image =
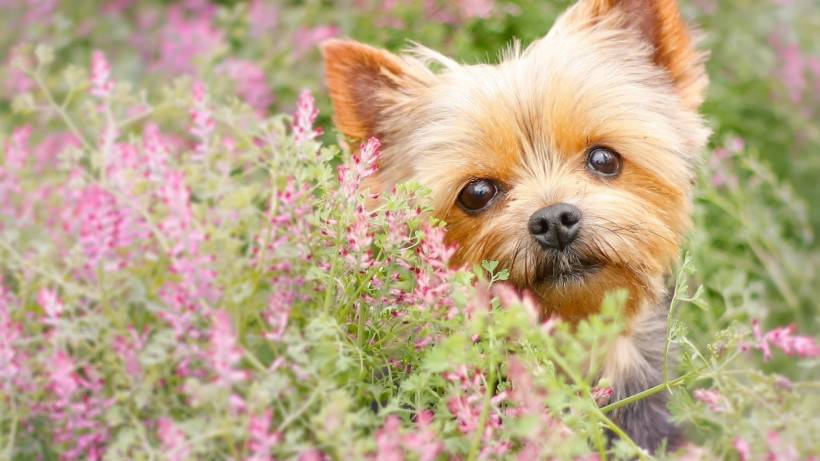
<point x="12" y="359"/>
<point x="363" y="165"/>
<point x="17" y="151"/>
<point x="263" y="17"/>
<point x="423" y="441"/>
<point x="780" y="450"/>
<point x="392" y="443"/>
<point x="202" y="122"/>
<point x="186" y="258"/>
<point x="251" y="83"/>
<point x="48" y="151"/>
<point x="51" y="304"/>
<point x="313" y="454"/>
<point x="128" y="348"/>
<point x="476" y="8"/>
<point x="260" y="438"/>
<point x="101" y="85"/>
<point x="186" y="37"/>
<point x="791" y="70"/>
<point x="224" y="353"/>
<point x="743" y="449"/>
<point x="712" y="399"/>
<point x="389" y="441"/>
<point x="305" y="39"/>
<point x="17" y="82"/>
<point x="602" y="395"/>
<point x="173" y="440"/>
<point x="784" y="339"/>
<point x="103" y="227"/>
<point x="76" y="410"/>
<point x="279" y="306"/>
<point x="433" y="286"/>
<point x="304" y="117"/>
<point x="40" y="11"/>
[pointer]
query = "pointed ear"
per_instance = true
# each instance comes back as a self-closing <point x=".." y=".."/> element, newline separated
<point x="359" y="78"/>
<point x="660" y="24"/>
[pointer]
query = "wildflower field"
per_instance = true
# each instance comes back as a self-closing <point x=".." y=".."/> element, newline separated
<point x="188" y="271"/>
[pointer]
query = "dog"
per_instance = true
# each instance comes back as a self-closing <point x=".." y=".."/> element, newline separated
<point x="571" y="162"/>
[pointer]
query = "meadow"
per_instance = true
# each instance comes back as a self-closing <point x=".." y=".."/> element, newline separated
<point x="188" y="270"/>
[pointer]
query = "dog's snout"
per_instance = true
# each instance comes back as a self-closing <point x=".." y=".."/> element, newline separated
<point x="555" y="226"/>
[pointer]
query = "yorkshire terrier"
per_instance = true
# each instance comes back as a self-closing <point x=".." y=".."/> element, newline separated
<point x="570" y="162"/>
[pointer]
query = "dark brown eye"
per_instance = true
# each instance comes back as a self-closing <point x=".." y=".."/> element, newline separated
<point x="477" y="195"/>
<point x="604" y="162"/>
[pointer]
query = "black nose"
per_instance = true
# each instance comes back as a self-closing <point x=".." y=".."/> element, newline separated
<point x="555" y="226"/>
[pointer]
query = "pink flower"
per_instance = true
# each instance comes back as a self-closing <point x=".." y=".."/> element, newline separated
<point x="263" y="17"/>
<point x="48" y="151"/>
<point x="743" y="449"/>
<point x="17" y="81"/>
<point x="364" y="165"/>
<point x="712" y="399"/>
<point x="260" y="438"/>
<point x="388" y="441"/>
<point x="53" y="308"/>
<point x="186" y="37"/>
<point x="101" y="86"/>
<point x="76" y="410"/>
<point x="224" y="354"/>
<point x="602" y="395"/>
<point x="305" y="39"/>
<point x="279" y="306"/>
<point x="103" y="228"/>
<point x="476" y="8"/>
<point x="251" y="83"/>
<point x="155" y="153"/>
<point x="202" y="122"/>
<point x="313" y="454"/>
<point x="173" y="440"/>
<point x="791" y="69"/>
<point x="128" y="348"/>
<point x="424" y="442"/>
<point x="12" y="359"/>
<point x="304" y="117"/>
<point x="17" y="148"/>
<point x="780" y="450"/>
<point x="784" y="339"/>
<point x="392" y="443"/>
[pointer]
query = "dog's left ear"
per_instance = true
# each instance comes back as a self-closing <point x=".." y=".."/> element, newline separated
<point x="660" y="24"/>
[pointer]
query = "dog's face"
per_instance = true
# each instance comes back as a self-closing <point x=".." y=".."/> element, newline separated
<point x="570" y="162"/>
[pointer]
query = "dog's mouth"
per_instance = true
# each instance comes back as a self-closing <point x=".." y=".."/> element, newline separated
<point x="567" y="270"/>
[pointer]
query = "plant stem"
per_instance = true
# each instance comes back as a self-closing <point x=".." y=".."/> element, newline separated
<point x="649" y="392"/>
<point x="475" y="446"/>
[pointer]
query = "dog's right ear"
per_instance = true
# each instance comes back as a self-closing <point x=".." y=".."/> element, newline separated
<point x="360" y="79"/>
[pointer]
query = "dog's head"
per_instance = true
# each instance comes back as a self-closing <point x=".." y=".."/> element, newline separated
<point x="570" y="162"/>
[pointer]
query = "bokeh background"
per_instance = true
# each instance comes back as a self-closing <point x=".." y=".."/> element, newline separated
<point x="753" y="248"/>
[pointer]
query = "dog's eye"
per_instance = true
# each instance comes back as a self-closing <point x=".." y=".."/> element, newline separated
<point x="477" y="195"/>
<point x="604" y="162"/>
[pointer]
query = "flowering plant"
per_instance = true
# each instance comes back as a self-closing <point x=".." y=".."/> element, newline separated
<point x="186" y="276"/>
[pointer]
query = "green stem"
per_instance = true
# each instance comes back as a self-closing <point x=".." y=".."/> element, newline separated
<point x="620" y="433"/>
<point x="650" y="392"/>
<point x="60" y="110"/>
<point x="475" y="446"/>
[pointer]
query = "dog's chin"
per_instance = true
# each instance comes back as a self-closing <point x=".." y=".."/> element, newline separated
<point x="567" y="272"/>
